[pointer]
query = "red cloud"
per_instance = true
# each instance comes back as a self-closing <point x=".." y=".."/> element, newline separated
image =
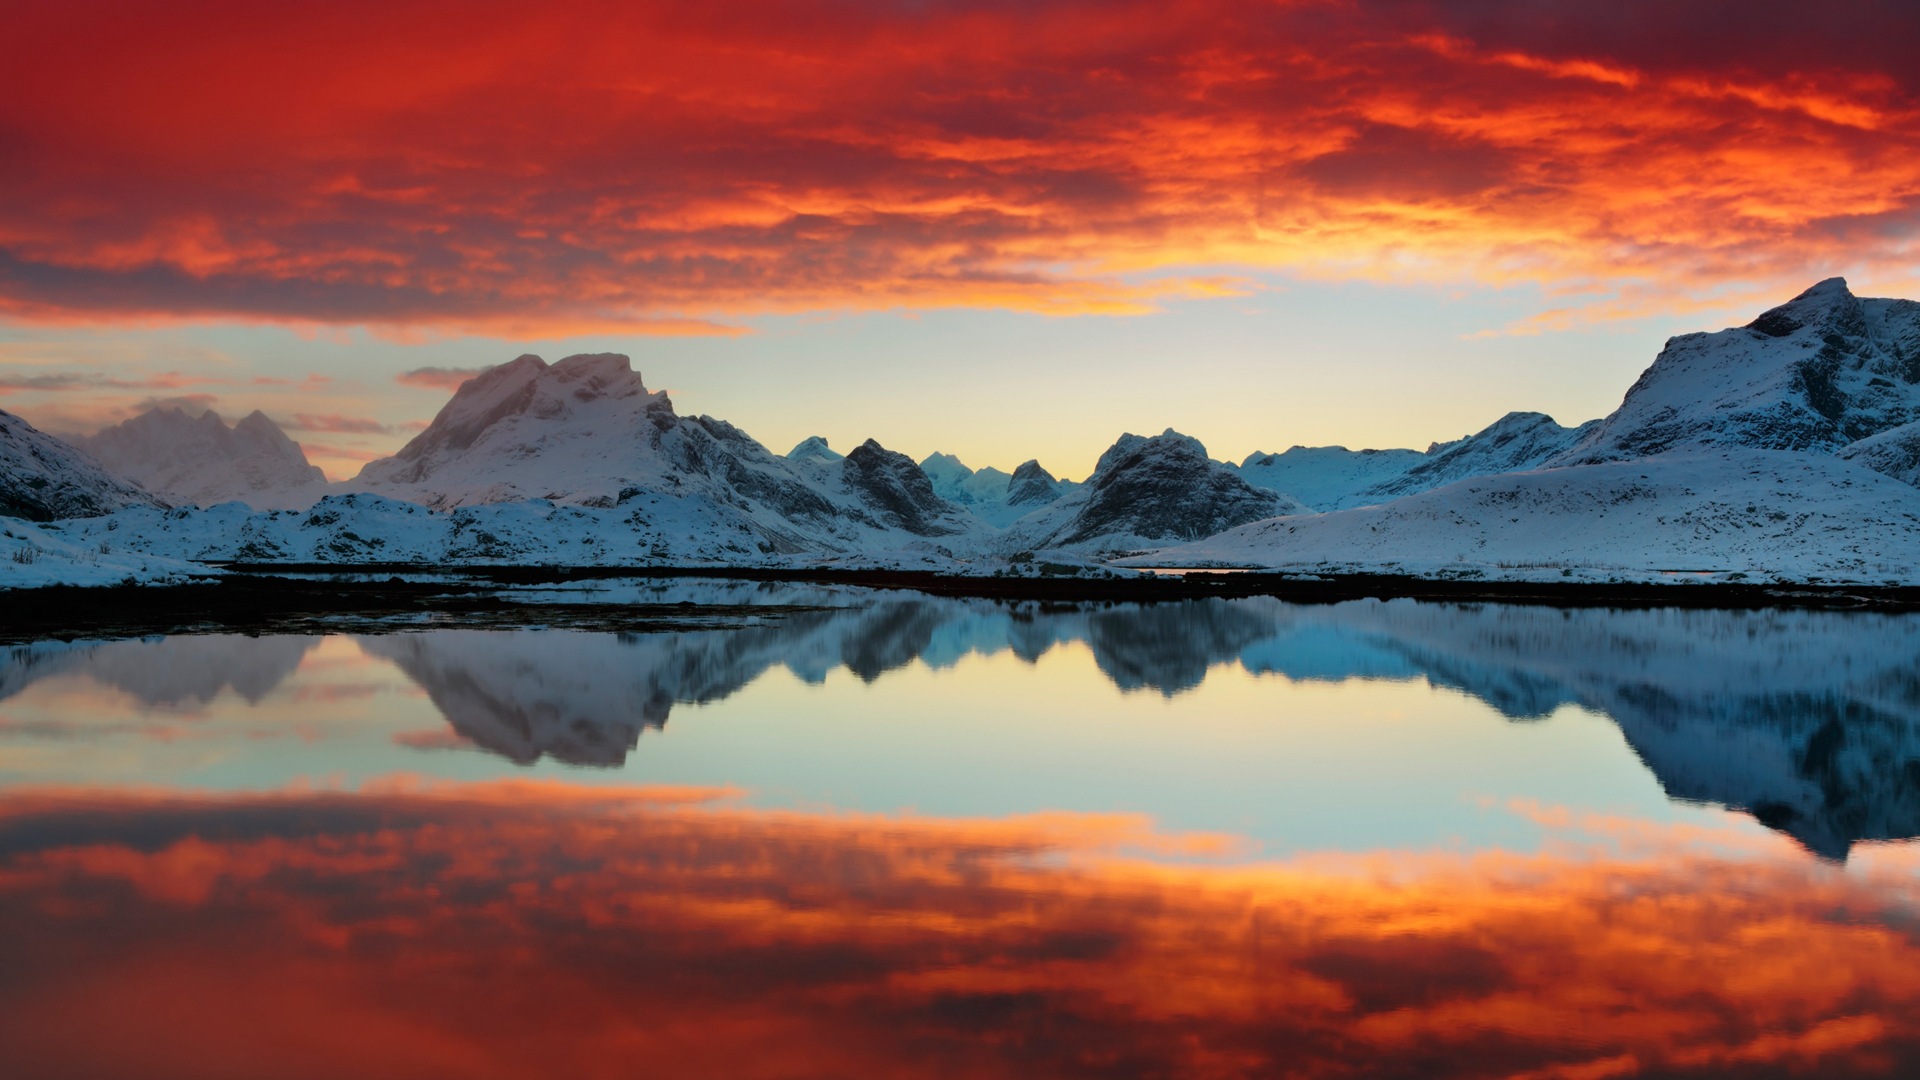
<point x="345" y="935"/>
<point x="657" y="166"/>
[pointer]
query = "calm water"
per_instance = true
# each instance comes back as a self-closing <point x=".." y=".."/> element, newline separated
<point x="892" y="835"/>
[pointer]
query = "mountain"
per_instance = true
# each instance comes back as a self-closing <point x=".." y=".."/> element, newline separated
<point x="1785" y="449"/>
<point x="1335" y="478"/>
<point x="1145" y="491"/>
<point x="1327" y="477"/>
<point x="586" y="432"/>
<point x="1819" y="372"/>
<point x="1752" y="514"/>
<point x="814" y="448"/>
<point x="43" y="479"/>
<point x="993" y="496"/>
<point x="200" y="461"/>
<point x="1514" y="443"/>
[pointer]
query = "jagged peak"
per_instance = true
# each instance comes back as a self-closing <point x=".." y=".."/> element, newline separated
<point x="945" y="463"/>
<point x="1826" y="304"/>
<point x="1031" y="469"/>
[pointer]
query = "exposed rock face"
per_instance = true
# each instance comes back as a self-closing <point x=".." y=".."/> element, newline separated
<point x="200" y="461"/>
<point x="1894" y="452"/>
<point x="1165" y="487"/>
<point x="42" y="478"/>
<point x="1145" y="490"/>
<point x="1032" y="486"/>
<point x="1819" y="372"/>
<point x="897" y="489"/>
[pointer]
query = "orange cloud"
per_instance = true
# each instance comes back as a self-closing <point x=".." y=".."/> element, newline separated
<point x="657" y="168"/>
<point x="539" y="929"/>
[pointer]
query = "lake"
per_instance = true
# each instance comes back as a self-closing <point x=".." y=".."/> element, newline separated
<point x="811" y="831"/>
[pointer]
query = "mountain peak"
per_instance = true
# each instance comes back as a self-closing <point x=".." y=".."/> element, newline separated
<point x="1827" y="305"/>
<point x="813" y="448"/>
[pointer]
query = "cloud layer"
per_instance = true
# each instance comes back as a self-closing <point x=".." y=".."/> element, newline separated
<point x="667" y="167"/>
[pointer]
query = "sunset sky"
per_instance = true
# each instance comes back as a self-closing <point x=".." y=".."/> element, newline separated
<point x="1003" y="230"/>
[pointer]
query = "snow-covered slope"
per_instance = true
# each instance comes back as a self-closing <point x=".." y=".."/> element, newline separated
<point x="814" y="448"/>
<point x="42" y="478"/>
<point x="201" y="461"/>
<point x="1814" y="374"/>
<point x="1144" y="492"/>
<point x="1335" y="478"/>
<point x="1513" y="443"/>
<point x="1327" y="477"/>
<point x="33" y="555"/>
<point x="1894" y="452"/>
<point x="1760" y="513"/>
<point x="586" y="432"/>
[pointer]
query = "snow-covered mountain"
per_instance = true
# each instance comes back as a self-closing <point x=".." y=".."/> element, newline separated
<point x="1327" y="477"/>
<point x="1144" y="492"/>
<point x="1819" y="372"/>
<point x="42" y="478"/>
<point x="1514" y="443"/>
<point x="1335" y="478"/>
<point x="1759" y="514"/>
<point x="993" y="496"/>
<point x="201" y="461"/>
<point x="586" y="432"/>
<point x="1756" y="451"/>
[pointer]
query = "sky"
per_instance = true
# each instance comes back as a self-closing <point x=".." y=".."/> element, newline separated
<point x="1001" y="230"/>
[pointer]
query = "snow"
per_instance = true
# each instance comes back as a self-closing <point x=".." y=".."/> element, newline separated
<point x="200" y="461"/>
<point x="33" y="555"/>
<point x="1788" y="449"/>
<point x="1765" y="515"/>
<point x="42" y="478"/>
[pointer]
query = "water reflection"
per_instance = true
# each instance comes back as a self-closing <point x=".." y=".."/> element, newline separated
<point x="1805" y="719"/>
<point x="535" y="929"/>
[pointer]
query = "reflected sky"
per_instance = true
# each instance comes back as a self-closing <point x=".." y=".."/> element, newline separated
<point x="515" y="929"/>
<point x="891" y="834"/>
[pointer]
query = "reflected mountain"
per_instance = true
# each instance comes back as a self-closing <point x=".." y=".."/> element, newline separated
<point x="1810" y="721"/>
<point x="161" y="673"/>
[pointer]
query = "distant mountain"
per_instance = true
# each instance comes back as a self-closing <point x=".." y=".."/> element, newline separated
<point x="1327" y="477"/>
<point x="200" y="461"/>
<point x="43" y="478"/>
<point x="1815" y="374"/>
<point x="586" y="432"/>
<point x="1144" y="492"/>
<point x="993" y="496"/>
<point x="1335" y="478"/>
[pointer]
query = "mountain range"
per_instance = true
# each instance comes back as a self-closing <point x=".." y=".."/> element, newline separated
<point x="1785" y="449"/>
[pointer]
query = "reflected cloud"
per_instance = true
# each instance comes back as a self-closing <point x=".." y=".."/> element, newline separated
<point x="1808" y="720"/>
<point x="539" y="929"/>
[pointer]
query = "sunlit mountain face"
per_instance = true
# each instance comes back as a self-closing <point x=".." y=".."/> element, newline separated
<point x="889" y="834"/>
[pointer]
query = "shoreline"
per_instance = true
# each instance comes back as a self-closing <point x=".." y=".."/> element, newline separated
<point x="319" y="597"/>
